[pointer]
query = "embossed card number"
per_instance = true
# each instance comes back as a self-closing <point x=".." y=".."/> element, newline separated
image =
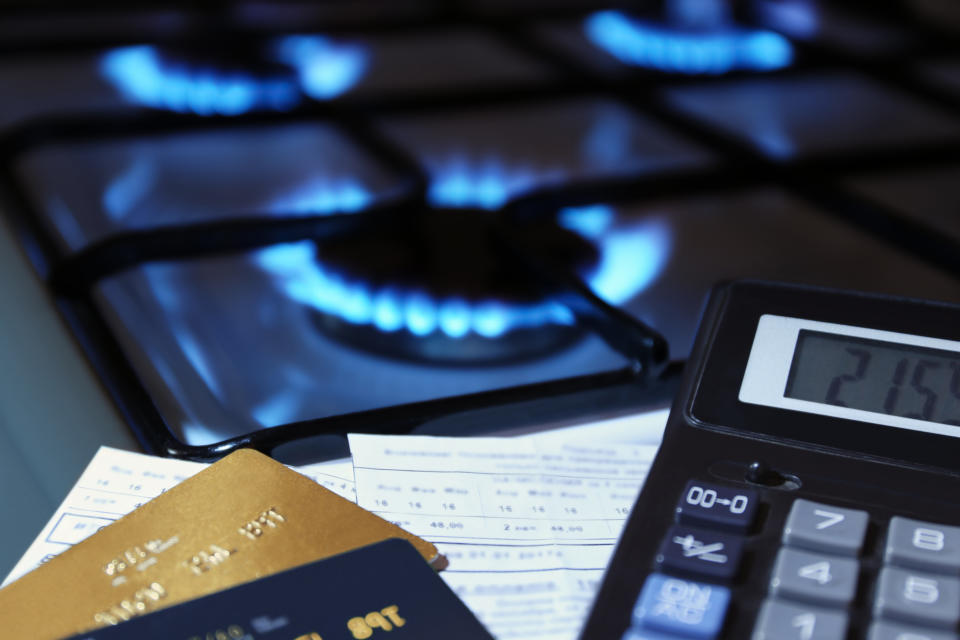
<point x="145" y="556"/>
<point x="215" y="554"/>
<point x="139" y="557"/>
<point x="362" y="627"/>
<point x="385" y="619"/>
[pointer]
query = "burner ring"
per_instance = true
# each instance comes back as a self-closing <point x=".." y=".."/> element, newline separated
<point x="440" y="289"/>
<point x="415" y="281"/>
<point x="439" y="348"/>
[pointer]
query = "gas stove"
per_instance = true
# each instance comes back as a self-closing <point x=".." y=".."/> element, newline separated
<point x="270" y="224"/>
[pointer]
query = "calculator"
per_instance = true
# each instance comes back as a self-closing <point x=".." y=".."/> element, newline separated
<point x="808" y="484"/>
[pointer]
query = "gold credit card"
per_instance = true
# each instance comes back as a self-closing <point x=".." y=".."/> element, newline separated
<point x="244" y="517"/>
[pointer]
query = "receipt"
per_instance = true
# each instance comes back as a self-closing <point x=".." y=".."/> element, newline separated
<point x="528" y="524"/>
<point x="117" y="482"/>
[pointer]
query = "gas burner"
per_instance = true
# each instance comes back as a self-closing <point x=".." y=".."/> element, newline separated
<point x="441" y="290"/>
<point x="228" y="79"/>
<point x="205" y="81"/>
<point x="488" y="184"/>
<point x="324" y="196"/>
<point x="438" y="289"/>
<point x="685" y="48"/>
<point x="326" y="68"/>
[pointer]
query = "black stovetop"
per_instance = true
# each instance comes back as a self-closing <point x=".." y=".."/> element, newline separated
<point x="272" y="223"/>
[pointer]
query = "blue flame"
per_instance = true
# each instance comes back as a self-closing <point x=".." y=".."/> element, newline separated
<point x="326" y="69"/>
<point x="632" y="254"/>
<point x="390" y="309"/>
<point x="323" y="196"/>
<point x="631" y="257"/>
<point x="143" y="77"/>
<point x="672" y="50"/>
<point x="485" y="185"/>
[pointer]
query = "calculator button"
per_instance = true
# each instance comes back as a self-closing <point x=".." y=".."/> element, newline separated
<point x="826" y="580"/>
<point x="822" y="527"/>
<point x="922" y="598"/>
<point x="701" y="551"/>
<point x="714" y="505"/>
<point x="671" y="605"/>
<point x="890" y="631"/>
<point x="780" y="620"/>
<point x="923" y="545"/>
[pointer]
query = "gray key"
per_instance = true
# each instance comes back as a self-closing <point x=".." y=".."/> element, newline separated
<point x="816" y="578"/>
<point x="821" y="527"/>
<point x="780" y="620"/>
<point x="915" y="544"/>
<point x="888" y="631"/>
<point x="914" y="596"/>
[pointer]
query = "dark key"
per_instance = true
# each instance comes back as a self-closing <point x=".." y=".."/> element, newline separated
<point x="717" y="507"/>
<point x="701" y="551"/>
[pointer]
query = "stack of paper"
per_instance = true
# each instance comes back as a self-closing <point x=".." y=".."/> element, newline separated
<point x="528" y="523"/>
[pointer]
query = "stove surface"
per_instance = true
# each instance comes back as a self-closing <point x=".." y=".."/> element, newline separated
<point x="268" y="223"/>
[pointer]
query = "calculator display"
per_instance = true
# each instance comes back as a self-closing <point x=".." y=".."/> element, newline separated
<point x="881" y="377"/>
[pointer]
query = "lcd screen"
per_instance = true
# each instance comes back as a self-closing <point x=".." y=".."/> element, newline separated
<point x="876" y="376"/>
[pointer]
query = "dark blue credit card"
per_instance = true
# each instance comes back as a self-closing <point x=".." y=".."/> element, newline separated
<point x="385" y="591"/>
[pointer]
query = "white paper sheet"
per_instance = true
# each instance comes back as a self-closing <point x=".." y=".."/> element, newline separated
<point x="527" y="523"/>
<point x="117" y="482"/>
